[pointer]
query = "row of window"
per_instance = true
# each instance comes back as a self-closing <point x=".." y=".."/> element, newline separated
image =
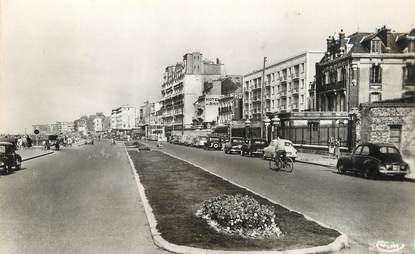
<point x="293" y="71"/>
<point x="375" y="74"/>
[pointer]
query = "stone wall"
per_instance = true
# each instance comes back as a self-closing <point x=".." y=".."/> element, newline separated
<point x="375" y="122"/>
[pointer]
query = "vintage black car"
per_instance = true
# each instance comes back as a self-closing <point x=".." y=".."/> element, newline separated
<point x="213" y="142"/>
<point x="254" y="146"/>
<point x="234" y="145"/>
<point x="9" y="158"/>
<point x="374" y="159"/>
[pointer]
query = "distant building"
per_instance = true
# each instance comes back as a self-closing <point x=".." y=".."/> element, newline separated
<point x="65" y="127"/>
<point x="123" y="118"/>
<point x="230" y="107"/>
<point x="364" y="68"/>
<point x="80" y="125"/>
<point x="55" y="128"/>
<point x="44" y="128"/>
<point x="286" y="86"/>
<point x="206" y="110"/>
<point x="99" y="122"/>
<point x="183" y="84"/>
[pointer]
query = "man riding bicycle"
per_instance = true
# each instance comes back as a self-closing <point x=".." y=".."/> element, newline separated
<point x="280" y="159"/>
<point x="280" y="151"/>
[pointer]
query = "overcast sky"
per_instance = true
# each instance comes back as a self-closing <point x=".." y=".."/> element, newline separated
<point x="61" y="59"/>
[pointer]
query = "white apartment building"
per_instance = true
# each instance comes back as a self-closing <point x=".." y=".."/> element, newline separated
<point x="123" y="118"/>
<point x="286" y="86"/>
<point x="98" y="124"/>
<point x="183" y="84"/>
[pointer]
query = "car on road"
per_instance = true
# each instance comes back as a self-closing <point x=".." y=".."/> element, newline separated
<point x="174" y="139"/>
<point x="234" y="145"/>
<point x="213" y="142"/>
<point x="53" y="140"/>
<point x="254" y="146"/>
<point x="282" y="144"/>
<point x="199" y="141"/>
<point x="374" y="159"/>
<point x="89" y="141"/>
<point x="187" y="140"/>
<point x="9" y="158"/>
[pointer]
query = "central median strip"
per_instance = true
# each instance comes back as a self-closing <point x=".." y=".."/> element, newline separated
<point x="175" y="190"/>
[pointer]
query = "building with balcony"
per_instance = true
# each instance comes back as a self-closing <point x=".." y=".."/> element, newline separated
<point x="182" y="86"/>
<point x="365" y="67"/>
<point x="123" y="118"/>
<point x="150" y="119"/>
<point x="230" y="104"/>
<point x="285" y="88"/>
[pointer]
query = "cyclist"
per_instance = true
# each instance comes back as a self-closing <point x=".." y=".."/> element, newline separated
<point x="280" y="154"/>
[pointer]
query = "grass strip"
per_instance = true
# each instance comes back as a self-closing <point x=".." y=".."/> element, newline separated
<point x="175" y="190"/>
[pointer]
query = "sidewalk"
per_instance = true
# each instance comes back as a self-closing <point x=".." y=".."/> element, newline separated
<point x="325" y="161"/>
<point x="31" y="153"/>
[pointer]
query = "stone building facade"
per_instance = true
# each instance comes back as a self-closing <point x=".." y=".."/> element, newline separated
<point x="390" y="122"/>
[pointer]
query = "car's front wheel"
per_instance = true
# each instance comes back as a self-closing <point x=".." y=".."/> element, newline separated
<point x="368" y="173"/>
<point x="18" y="163"/>
<point x="340" y="168"/>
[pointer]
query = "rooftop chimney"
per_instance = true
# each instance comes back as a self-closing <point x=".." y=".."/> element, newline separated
<point x="389" y="37"/>
<point x="342" y="39"/>
<point x="329" y="45"/>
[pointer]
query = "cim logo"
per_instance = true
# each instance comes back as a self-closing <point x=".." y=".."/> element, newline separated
<point x="390" y="247"/>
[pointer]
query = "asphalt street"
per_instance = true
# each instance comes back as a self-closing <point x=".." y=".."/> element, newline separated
<point x="368" y="211"/>
<point x="77" y="200"/>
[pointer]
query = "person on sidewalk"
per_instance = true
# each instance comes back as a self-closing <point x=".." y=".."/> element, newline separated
<point x="337" y="148"/>
<point x="331" y="147"/>
<point x="29" y="142"/>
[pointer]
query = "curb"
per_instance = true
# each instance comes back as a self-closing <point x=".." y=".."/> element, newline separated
<point x="340" y="242"/>
<point x="37" y="156"/>
<point x="316" y="163"/>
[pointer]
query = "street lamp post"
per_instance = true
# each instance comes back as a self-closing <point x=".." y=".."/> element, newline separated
<point x="262" y="98"/>
<point x="267" y="123"/>
<point x="247" y="125"/>
<point x="275" y="123"/>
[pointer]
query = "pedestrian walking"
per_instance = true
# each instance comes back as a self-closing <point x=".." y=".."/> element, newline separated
<point x="337" y="148"/>
<point x="29" y="142"/>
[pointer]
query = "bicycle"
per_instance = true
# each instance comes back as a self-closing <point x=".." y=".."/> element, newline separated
<point x="281" y="162"/>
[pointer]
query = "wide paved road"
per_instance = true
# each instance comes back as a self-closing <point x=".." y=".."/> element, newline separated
<point x="79" y="200"/>
<point x="366" y="210"/>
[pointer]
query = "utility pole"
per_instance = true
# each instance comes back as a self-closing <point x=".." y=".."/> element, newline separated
<point x="262" y="98"/>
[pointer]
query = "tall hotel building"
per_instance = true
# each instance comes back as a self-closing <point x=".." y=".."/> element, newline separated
<point x="286" y="86"/>
<point x="183" y="84"/>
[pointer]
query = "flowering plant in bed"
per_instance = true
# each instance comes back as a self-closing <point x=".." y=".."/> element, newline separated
<point x="240" y="215"/>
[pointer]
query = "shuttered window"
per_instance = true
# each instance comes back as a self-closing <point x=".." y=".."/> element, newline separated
<point x="395" y="133"/>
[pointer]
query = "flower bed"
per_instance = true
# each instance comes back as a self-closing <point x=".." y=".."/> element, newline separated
<point x="240" y="215"/>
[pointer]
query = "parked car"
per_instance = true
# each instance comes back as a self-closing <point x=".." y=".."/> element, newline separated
<point x="234" y="145"/>
<point x="9" y="158"/>
<point x="89" y="141"/>
<point x="199" y="141"/>
<point x="188" y="140"/>
<point x="213" y="142"/>
<point x="254" y="146"/>
<point x="283" y="144"/>
<point x="174" y="139"/>
<point x="374" y="159"/>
